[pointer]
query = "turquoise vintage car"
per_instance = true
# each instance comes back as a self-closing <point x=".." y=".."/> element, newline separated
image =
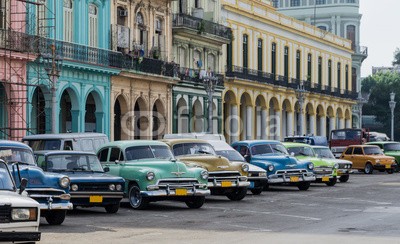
<point x="152" y="173"/>
<point x="325" y="171"/>
<point x="389" y="148"/>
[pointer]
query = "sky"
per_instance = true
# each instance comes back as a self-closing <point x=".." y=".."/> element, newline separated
<point x="379" y="32"/>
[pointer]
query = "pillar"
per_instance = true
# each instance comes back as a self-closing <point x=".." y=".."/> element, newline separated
<point x="278" y="115"/>
<point x="99" y="122"/>
<point x="312" y="124"/>
<point x="249" y="122"/>
<point x="263" y="123"/>
<point x="290" y="115"/>
<point x="234" y="132"/>
<point x="75" y="119"/>
<point x="332" y="124"/>
<point x="174" y="114"/>
<point x="322" y="125"/>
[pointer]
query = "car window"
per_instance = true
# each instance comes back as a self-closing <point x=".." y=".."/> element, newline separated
<point x="38" y="145"/>
<point x="324" y="152"/>
<point x="358" y="151"/>
<point x="6" y="183"/>
<point x="115" y="154"/>
<point x="244" y="151"/>
<point x="193" y="148"/>
<point x="279" y="148"/>
<point x="231" y="155"/>
<point x="301" y="151"/>
<point x="73" y="162"/>
<point x="103" y="155"/>
<point x="68" y="145"/>
<point x="349" y="151"/>
<point x="40" y="160"/>
<point x="261" y="149"/>
<point x="372" y="151"/>
<point x="392" y="147"/>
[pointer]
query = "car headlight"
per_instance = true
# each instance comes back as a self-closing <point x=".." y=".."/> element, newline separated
<point x="64" y="182"/>
<point x="24" y="214"/>
<point x="74" y="187"/>
<point x="263" y="174"/>
<point x="393" y="161"/>
<point x="336" y="166"/>
<point x="150" y="176"/>
<point x="111" y="187"/>
<point x="118" y="187"/>
<point x="310" y="166"/>
<point x="204" y="174"/>
<point x="271" y="168"/>
<point x="245" y="167"/>
<point x="349" y="166"/>
<point x="378" y="161"/>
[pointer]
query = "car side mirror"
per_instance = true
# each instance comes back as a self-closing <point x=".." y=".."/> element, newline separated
<point x="22" y="187"/>
<point x="116" y="161"/>
<point x="247" y="158"/>
<point x="292" y="154"/>
<point x="106" y="169"/>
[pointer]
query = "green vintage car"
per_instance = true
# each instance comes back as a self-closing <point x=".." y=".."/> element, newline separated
<point x="152" y="173"/>
<point x="325" y="171"/>
<point x="389" y="148"/>
<point x="226" y="178"/>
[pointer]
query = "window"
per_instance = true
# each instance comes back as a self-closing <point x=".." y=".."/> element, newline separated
<point x="2" y="14"/>
<point x="197" y="4"/>
<point x="320" y="2"/>
<point x="211" y="62"/>
<point x="286" y="63"/>
<point x="358" y="151"/>
<point x="68" y="20"/>
<point x="229" y="56"/>
<point x="245" y="55"/>
<point x="259" y="55"/>
<point x="139" y="19"/>
<point x="103" y="155"/>
<point x="116" y="154"/>
<point x="142" y="31"/>
<point x="121" y="16"/>
<point x="322" y="27"/>
<point x="68" y="145"/>
<point x="158" y="35"/>
<point x="347" y="77"/>
<point x="93" y="25"/>
<point x="294" y="3"/>
<point x="298" y="65"/>
<point x="339" y="75"/>
<point x="41" y="18"/>
<point x="349" y="150"/>
<point x="309" y="67"/>
<point x="351" y="1"/>
<point x="275" y="3"/>
<point x="330" y="74"/>
<point x="320" y="72"/>
<point x="351" y="35"/>
<point x="273" y="60"/>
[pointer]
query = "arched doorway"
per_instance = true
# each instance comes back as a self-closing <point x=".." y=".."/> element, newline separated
<point x="274" y="119"/>
<point x="287" y="118"/>
<point x="198" y="122"/>
<point x="69" y="110"/>
<point x="339" y="119"/>
<point x="38" y="114"/>
<point x="231" y="122"/>
<point x="3" y="113"/>
<point x="330" y="123"/>
<point x="94" y="113"/>
<point x="310" y="119"/>
<point x="321" y="121"/>
<point x="246" y="117"/>
<point x="261" y="118"/>
<point x="141" y="121"/>
<point x="121" y="125"/>
<point x="183" y="113"/>
<point x="159" y="121"/>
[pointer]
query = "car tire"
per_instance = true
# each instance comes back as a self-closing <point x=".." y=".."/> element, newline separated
<point x="266" y="187"/>
<point x="56" y="217"/>
<point x="344" y="178"/>
<point x="137" y="201"/>
<point x="331" y="182"/>
<point x="112" y="208"/>
<point x="195" y="202"/>
<point x="390" y="171"/>
<point x="237" y="194"/>
<point x="368" y="169"/>
<point x="257" y="191"/>
<point x="303" y="186"/>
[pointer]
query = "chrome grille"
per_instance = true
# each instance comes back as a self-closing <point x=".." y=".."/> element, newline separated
<point x="93" y="187"/>
<point x="223" y="174"/>
<point x="5" y="214"/>
<point x="178" y="183"/>
<point x="291" y="172"/>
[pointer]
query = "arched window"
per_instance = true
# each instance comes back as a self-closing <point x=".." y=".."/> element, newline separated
<point x="211" y="62"/>
<point x="93" y="25"/>
<point x="198" y="63"/>
<point x="142" y="38"/>
<point x="245" y="51"/>
<point x="158" y="35"/>
<point x="68" y="20"/>
<point x="351" y="35"/>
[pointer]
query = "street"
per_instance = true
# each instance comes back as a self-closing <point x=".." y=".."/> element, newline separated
<point x="364" y="210"/>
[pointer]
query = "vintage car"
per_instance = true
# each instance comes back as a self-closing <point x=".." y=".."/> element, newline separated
<point x="281" y="168"/>
<point x="256" y="175"/>
<point x="152" y="173"/>
<point x="344" y="170"/>
<point x="389" y="148"/>
<point x="51" y="190"/>
<point x="369" y="157"/>
<point x="90" y="185"/>
<point x="325" y="171"/>
<point x="19" y="214"/>
<point x="225" y="178"/>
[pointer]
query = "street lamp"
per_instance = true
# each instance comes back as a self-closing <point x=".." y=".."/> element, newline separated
<point x="300" y="94"/>
<point x="392" y="105"/>
<point x="210" y="82"/>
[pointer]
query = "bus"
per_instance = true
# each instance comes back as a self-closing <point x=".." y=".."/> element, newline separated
<point x="340" y="139"/>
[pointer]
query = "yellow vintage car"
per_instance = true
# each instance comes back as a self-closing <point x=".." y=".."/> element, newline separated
<point x="225" y="177"/>
<point x="368" y="157"/>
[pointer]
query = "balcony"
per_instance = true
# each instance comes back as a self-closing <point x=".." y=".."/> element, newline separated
<point x="361" y="52"/>
<point x="193" y="75"/>
<point x="17" y="41"/>
<point x="189" y="25"/>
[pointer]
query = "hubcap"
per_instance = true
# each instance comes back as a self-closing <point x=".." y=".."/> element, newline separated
<point x="135" y="197"/>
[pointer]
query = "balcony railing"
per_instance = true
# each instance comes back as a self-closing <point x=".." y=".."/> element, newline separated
<point x="17" y="41"/>
<point x="187" y="74"/>
<point x="361" y="50"/>
<point x="201" y="25"/>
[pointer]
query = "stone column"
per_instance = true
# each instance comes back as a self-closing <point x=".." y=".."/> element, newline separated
<point x="258" y="122"/>
<point x="75" y="119"/>
<point x="264" y="123"/>
<point x="190" y="114"/>
<point x="249" y="123"/>
<point x="312" y="124"/>
<point x="278" y="115"/>
<point x="289" y="123"/>
<point x="99" y="122"/>
<point x="322" y="125"/>
<point x="219" y="113"/>
<point x="332" y="124"/>
<point x="234" y="123"/>
<point x="348" y="123"/>
<point x="175" y="115"/>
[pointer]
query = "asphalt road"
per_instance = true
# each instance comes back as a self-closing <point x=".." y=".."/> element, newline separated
<point x="364" y="210"/>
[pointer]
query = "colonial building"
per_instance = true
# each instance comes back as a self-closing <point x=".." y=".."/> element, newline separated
<point x="284" y="76"/>
<point x="340" y="17"/>
<point x="141" y="93"/>
<point x="198" y="39"/>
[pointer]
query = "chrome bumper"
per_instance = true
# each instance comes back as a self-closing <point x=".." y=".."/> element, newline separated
<point x="78" y="194"/>
<point x="172" y="193"/>
<point x="343" y="172"/>
<point x="56" y="206"/>
<point x="234" y="184"/>
<point x="277" y="179"/>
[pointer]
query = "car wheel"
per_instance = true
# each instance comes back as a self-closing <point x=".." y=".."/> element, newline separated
<point x="368" y="168"/>
<point x="303" y="186"/>
<point x="195" y="202"/>
<point x="237" y="194"/>
<point x="332" y="181"/>
<point x="344" y="178"/>
<point x="56" y="217"/>
<point x="112" y="208"/>
<point x="266" y="187"/>
<point x="136" y="200"/>
<point x="390" y="171"/>
<point x="257" y="191"/>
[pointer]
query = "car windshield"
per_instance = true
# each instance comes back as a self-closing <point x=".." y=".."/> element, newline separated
<point x="261" y="149"/>
<point x="392" y="147"/>
<point x="72" y="162"/>
<point x="231" y="155"/>
<point x="6" y="183"/>
<point x="324" y="152"/>
<point x="195" y="148"/>
<point x="44" y="145"/>
<point x="372" y="151"/>
<point x="301" y="151"/>
<point x="21" y="155"/>
<point x="148" y="152"/>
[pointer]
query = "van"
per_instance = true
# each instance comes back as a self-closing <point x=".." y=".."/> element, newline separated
<point x="87" y="142"/>
<point x="311" y="140"/>
<point x="202" y="136"/>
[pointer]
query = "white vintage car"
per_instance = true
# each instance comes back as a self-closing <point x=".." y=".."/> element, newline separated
<point x="19" y="214"/>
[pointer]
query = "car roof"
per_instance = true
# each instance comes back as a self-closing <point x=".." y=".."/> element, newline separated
<point x="320" y="147"/>
<point x="186" y="140"/>
<point x="64" y="136"/>
<point x="382" y="142"/>
<point x="257" y="142"/>
<point x="295" y="144"/>
<point x="131" y="143"/>
<point x="363" y="145"/>
<point x="220" y="145"/>
<point x="7" y="143"/>
<point x="60" y="152"/>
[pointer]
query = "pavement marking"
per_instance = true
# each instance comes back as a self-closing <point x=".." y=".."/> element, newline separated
<point x="391" y="210"/>
<point x="389" y="183"/>
<point x="354" y="199"/>
<point x="250" y="228"/>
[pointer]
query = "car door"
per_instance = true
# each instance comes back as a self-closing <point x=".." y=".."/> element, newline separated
<point x="358" y="158"/>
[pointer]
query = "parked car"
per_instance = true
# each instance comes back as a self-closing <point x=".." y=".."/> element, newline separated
<point x="51" y="190"/>
<point x="152" y="173"/>
<point x="19" y="214"/>
<point x="325" y="171"/>
<point x="389" y="148"/>
<point x="311" y="140"/>
<point x="282" y="169"/>
<point x="202" y="136"/>
<point x="344" y="170"/>
<point x="256" y="175"/>
<point x="225" y="178"/>
<point x="90" y="185"/>
<point x="88" y="142"/>
<point x="369" y="157"/>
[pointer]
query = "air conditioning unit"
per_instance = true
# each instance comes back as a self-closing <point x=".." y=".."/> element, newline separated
<point x="122" y="13"/>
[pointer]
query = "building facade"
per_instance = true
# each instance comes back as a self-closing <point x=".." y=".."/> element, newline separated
<point x="340" y="17"/>
<point x="283" y="78"/>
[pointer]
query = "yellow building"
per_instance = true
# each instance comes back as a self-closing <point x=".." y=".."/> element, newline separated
<point x="284" y="77"/>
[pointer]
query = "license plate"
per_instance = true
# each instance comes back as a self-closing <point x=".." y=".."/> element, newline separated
<point x="294" y="179"/>
<point x="226" y="184"/>
<point x="388" y="166"/>
<point x="325" y="179"/>
<point x="181" y="192"/>
<point x="95" y="199"/>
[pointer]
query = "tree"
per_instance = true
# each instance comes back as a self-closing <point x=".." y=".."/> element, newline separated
<point x="367" y="84"/>
<point x="396" y="56"/>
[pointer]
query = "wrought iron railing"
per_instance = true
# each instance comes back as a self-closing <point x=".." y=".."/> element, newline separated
<point x="17" y="41"/>
<point x="361" y="50"/>
<point x="201" y="25"/>
<point x="187" y="74"/>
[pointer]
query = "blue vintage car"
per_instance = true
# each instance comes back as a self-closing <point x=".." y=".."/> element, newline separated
<point x="51" y="190"/>
<point x="90" y="185"/>
<point x="274" y="158"/>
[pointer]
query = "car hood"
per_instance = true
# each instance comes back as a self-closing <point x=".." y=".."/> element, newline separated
<point x="279" y="161"/>
<point x="80" y="177"/>
<point x="318" y="162"/>
<point x="163" y="168"/>
<point x="252" y="168"/>
<point x="210" y="162"/>
<point x="392" y="153"/>
<point x="16" y="200"/>
<point x="337" y="161"/>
